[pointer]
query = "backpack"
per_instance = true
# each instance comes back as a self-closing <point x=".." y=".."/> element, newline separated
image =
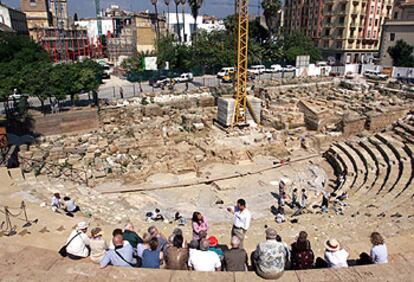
<point x="303" y="259"/>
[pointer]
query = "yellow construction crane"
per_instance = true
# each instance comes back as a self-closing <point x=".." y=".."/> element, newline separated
<point x="241" y="102"/>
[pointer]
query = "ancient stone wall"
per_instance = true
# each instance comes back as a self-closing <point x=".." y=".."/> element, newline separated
<point x="378" y="120"/>
<point x="66" y="122"/>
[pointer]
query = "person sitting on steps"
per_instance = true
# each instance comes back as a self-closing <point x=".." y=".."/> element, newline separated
<point x="121" y="255"/>
<point x="78" y="242"/>
<point x="302" y="255"/>
<point x="98" y="245"/>
<point x="69" y="206"/>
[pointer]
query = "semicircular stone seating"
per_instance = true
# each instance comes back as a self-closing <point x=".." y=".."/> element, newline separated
<point x="378" y="170"/>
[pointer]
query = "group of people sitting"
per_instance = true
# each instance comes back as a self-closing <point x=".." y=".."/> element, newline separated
<point x="66" y="205"/>
<point x="204" y="253"/>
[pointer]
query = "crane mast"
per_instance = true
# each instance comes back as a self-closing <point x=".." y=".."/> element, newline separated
<point x="98" y="16"/>
<point x="241" y="102"/>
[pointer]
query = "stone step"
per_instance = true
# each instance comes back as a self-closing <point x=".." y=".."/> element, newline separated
<point x="370" y="166"/>
<point x="359" y="167"/>
<point x="406" y="162"/>
<point x="397" y="156"/>
<point x="392" y="165"/>
<point x="342" y="179"/>
<point x="33" y="264"/>
<point x="408" y="138"/>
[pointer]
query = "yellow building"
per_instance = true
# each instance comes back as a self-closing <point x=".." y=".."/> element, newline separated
<point x="145" y="24"/>
<point x="37" y="14"/>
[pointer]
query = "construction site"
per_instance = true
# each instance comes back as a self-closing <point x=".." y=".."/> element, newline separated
<point x="204" y="149"/>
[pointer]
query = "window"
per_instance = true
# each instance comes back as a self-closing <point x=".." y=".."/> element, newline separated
<point x="392" y="36"/>
<point x="395" y="15"/>
<point x="327" y="32"/>
<point x="376" y="22"/>
<point x="32" y="2"/>
<point x="338" y="44"/>
<point x="370" y="22"/>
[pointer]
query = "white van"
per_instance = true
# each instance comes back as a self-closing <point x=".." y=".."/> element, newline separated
<point x="274" y="68"/>
<point x="375" y="75"/>
<point x="258" y="69"/>
<point x="224" y="71"/>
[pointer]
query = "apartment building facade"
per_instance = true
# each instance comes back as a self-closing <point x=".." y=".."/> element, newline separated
<point x="346" y="31"/>
<point x="13" y="19"/>
<point x="400" y="27"/>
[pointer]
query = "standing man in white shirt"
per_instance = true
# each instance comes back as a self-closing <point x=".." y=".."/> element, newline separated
<point x="241" y="220"/>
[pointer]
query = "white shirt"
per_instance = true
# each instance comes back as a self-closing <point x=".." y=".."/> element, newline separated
<point x="55" y="202"/>
<point x="379" y="254"/>
<point x="242" y="218"/>
<point x="337" y="259"/>
<point x="70" y="205"/>
<point x="204" y="260"/>
<point x="78" y="245"/>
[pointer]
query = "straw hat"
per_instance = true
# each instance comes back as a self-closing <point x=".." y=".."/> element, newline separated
<point x="332" y="245"/>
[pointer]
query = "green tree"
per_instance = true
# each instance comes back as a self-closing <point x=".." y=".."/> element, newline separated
<point x="296" y="44"/>
<point x="402" y="54"/>
<point x="271" y="12"/>
<point x="16" y="52"/>
<point x="35" y="81"/>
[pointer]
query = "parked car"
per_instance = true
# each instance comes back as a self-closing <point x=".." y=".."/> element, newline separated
<point x="288" y="68"/>
<point x="274" y="69"/>
<point x="258" y="69"/>
<point x="159" y="81"/>
<point x="349" y="75"/>
<point x="375" y="75"/>
<point x="106" y="72"/>
<point x="230" y="76"/>
<point x="185" y="77"/>
<point x="224" y="71"/>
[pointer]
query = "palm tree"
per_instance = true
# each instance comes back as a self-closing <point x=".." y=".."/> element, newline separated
<point x="167" y="3"/>
<point x="177" y="2"/>
<point x="183" y="2"/>
<point x="271" y="12"/>
<point x="157" y="27"/>
<point x="195" y="6"/>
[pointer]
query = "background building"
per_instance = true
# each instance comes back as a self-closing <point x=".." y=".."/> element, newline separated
<point x="146" y="31"/>
<point x="345" y="31"/>
<point x="59" y="10"/>
<point x="185" y="25"/>
<point x="37" y="13"/>
<point x="91" y="25"/>
<point x="51" y="28"/>
<point x="13" y="19"/>
<point x="400" y="27"/>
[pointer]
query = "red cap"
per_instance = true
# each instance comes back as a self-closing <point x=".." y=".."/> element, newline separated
<point x="213" y="241"/>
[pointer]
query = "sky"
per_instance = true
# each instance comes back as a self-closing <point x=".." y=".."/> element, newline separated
<point x="86" y="8"/>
